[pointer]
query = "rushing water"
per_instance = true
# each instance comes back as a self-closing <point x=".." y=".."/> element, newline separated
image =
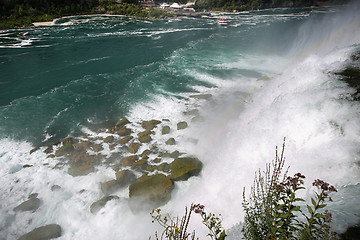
<point x="270" y="74"/>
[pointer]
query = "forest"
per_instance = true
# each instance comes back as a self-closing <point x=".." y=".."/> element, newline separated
<point x="20" y="13"/>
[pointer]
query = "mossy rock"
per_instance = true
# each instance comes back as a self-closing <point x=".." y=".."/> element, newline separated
<point x="109" y="139"/>
<point x="122" y="122"/>
<point x="154" y="189"/>
<point x="30" y="205"/>
<point x="43" y="233"/>
<point x="149" y="125"/>
<point x="156" y="160"/>
<point x="165" y="130"/>
<point x="145" y="133"/>
<point x="125" y="139"/>
<point x="64" y="150"/>
<point x="171" y="141"/>
<point x="129" y="161"/>
<point x="164" y="167"/>
<point x="81" y="170"/>
<point x="145" y="139"/>
<point x="134" y="147"/>
<point x="182" y="125"/>
<point x="99" y="204"/>
<point x="34" y="149"/>
<point x="184" y="168"/>
<point x="124" y="131"/>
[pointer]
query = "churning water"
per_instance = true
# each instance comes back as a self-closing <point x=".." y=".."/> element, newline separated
<point x="271" y="74"/>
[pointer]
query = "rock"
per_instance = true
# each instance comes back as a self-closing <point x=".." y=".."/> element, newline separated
<point x="108" y="139"/>
<point x="171" y="141"/>
<point x="30" y="205"/>
<point x="145" y="139"/>
<point x="97" y="147"/>
<point x="55" y="187"/>
<point x="201" y="96"/>
<point x="184" y="168"/>
<point x="48" y="150"/>
<point x="125" y="140"/>
<point x="98" y="205"/>
<point x="122" y="122"/>
<point x="197" y="119"/>
<point x="145" y="133"/>
<point x="164" y="167"/>
<point x="157" y="160"/>
<point x="145" y="153"/>
<point x="67" y="140"/>
<point x="64" y="150"/>
<point x="151" y="168"/>
<point x="34" y="149"/>
<point x="182" y="125"/>
<point x="165" y="130"/>
<point x="81" y="170"/>
<point x="140" y="165"/>
<point x="134" y="147"/>
<point x="43" y="233"/>
<point x="155" y="190"/>
<point x="33" y="195"/>
<point x="125" y="177"/>
<point x="109" y="187"/>
<point x="112" y="147"/>
<point x="192" y="112"/>
<point x="27" y="166"/>
<point x="124" y="131"/>
<point x="149" y="125"/>
<point x="129" y="161"/>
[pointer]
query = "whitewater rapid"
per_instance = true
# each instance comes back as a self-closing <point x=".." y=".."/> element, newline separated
<point x="257" y="99"/>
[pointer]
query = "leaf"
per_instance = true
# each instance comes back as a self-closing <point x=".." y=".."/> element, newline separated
<point x="322" y="205"/>
<point x="299" y="199"/>
<point x="295" y="208"/>
<point x="313" y="202"/>
<point x="319" y="215"/>
<point x="310" y="209"/>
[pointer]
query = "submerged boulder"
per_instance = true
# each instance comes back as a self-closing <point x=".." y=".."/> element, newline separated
<point x="43" y="233"/>
<point x="81" y="170"/>
<point x="30" y="205"/>
<point x="123" y="179"/>
<point x="98" y="205"/>
<point x="154" y="190"/>
<point x="184" y="168"/>
<point x="182" y="125"/>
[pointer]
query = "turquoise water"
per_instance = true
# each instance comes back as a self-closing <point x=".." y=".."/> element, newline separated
<point x="270" y="75"/>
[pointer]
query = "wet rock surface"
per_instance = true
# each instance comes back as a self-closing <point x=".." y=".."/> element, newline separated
<point x="43" y="233"/>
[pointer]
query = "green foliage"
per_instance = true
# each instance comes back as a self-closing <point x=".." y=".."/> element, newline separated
<point x="175" y="229"/>
<point x="271" y="211"/>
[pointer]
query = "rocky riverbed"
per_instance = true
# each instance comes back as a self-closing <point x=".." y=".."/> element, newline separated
<point x="132" y="150"/>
